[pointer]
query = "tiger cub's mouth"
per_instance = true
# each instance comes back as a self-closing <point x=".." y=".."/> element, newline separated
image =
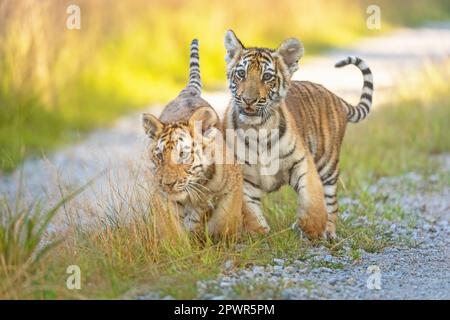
<point x="177" y="195"/>
<point x="249" y="111"/>
<point x="192" y="190"/>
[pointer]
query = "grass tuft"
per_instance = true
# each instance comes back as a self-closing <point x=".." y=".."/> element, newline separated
<point x="57" y="84"/>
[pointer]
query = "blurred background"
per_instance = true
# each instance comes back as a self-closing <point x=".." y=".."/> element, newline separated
<point x="56" y="83"/>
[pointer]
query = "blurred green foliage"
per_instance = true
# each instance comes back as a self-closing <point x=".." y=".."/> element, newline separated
<point x="56" y="83"/>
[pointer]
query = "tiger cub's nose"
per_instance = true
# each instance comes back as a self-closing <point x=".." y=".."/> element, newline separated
<point x="249" y="101"/>
<point x="168" y="184"/>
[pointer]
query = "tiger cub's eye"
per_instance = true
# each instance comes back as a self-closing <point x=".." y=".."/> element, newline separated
<point x="158" y="155"/>
<point x="241" y="73"/>
<point x="184" y="155"/>
<point x="267" y="76"/>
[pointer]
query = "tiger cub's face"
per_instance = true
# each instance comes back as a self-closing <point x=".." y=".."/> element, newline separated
<point x="177" y="154"/>
<point x="259" y="77"/>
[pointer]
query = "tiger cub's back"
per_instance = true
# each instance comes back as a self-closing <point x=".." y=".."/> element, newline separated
<point x="320" y="117"/>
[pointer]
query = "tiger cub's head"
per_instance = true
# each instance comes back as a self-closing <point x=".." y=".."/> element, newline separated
<point x="180" y="152"/>
<point x="259" y="77"/>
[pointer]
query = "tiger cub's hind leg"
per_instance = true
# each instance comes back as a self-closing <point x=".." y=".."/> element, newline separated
<point x="329" y="176"/>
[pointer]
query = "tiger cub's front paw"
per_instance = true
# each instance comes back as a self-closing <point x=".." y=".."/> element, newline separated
<point x="330" y="232"/>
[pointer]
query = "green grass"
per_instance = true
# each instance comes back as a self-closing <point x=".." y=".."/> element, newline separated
<point x="56" y="84"/>
<point x="22" y="244"/>
<point x="401" y="136"/>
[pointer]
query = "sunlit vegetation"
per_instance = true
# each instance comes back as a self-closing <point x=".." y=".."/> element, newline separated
<point x="147" y="251"/>
<point x="56" y="84"/>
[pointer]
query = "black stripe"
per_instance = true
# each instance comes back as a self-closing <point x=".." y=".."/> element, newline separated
<point x="368" y="84"/>
<point x="365" y="106"/>
<point x="331" y="170"/>
<point x="254" y="185"/>
<point x="235" y="119"/>
<point x="332" y="203"/>
<point x="351" y="110"/>
<point x="195" y="81"/>
<point x="194" y="54"/>
<point x="363" y="112"/>
<point x="358" y="111"/>
<point x="319" y="169"/>
<point x="294" y="164"/>
<point x="254" y="202"/>
<point x="247" y="141"/>
<point x="264" y="120"/>
<point x="330" y="196"/>
<point x="255" y="199"/>
<point x="289" y="153"/>
<point x="330" y="177"/>
<point x="298" y="181"/>
<point x="331" y="182"/>
<point x="196" y="78"/>
<point x="366" y="71"/>
<point x="282" y="126"/>
<point x="366" y="96"/>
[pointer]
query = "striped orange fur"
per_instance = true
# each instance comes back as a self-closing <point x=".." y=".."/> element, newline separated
<point x="206" y="193"/>
<point x="311" y="123"/>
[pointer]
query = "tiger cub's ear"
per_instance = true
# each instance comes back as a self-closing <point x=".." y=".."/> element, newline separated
<point x="152" y="126"/>
<point x="291" y="50"/>
<point x="233" y="45"/>
<point x="203" y="118"/>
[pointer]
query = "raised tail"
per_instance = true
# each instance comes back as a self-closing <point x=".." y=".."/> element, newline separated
<point x="361" y="110"/>
<point x="194" y="86"/>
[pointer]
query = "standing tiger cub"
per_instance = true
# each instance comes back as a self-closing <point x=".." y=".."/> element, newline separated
<point x="304" y="120"/>
<point x="205" y="193"/>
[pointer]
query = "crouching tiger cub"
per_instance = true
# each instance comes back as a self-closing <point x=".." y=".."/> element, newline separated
<point x="206" y="193"/>
<point x="308" y="122"/>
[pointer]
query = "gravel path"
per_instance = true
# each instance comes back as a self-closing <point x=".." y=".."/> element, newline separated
<point x="419" y="272"/>
<point x="418" y="267"/>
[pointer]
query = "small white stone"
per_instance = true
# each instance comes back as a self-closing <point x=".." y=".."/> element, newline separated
<point x="228" y="265"/>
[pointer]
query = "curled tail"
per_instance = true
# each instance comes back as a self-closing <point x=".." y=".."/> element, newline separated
<point x="360" y="111"/>
<point x="194" y="86"/>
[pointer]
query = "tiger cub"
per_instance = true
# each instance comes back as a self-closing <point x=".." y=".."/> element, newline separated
<point x="206" y="194"/>
<point x="309" y="123"/>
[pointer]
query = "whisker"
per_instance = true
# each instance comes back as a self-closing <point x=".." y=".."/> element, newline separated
<point x="192" y="191"/>
<point x="199" y="185"/>
<point x="197" y="190"/>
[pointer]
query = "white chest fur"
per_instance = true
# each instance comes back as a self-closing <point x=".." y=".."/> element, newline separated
<point x="262" y="162"/>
